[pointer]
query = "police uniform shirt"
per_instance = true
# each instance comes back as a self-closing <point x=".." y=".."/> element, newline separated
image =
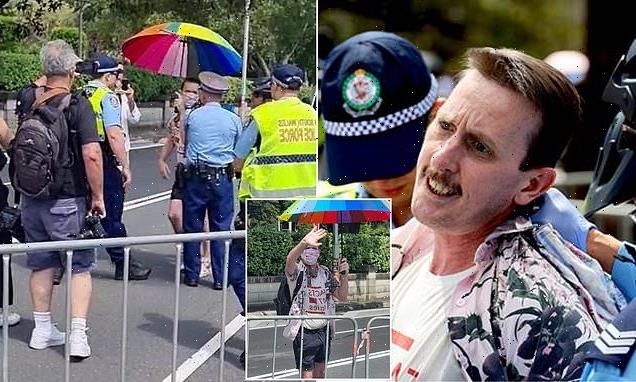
<point x="111" y="107"/>
<point x="247" y="140"/>
<point x="211" y="134"/>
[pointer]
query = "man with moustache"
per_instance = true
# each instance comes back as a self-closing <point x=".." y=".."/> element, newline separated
<point x="504" y="299"/>
<point x="314" y="298"/>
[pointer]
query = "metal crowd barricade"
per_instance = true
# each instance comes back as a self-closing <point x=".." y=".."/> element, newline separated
<point x="367" y="337"/>
<point x="69" y="246"/>
<point x="302" y="338"/>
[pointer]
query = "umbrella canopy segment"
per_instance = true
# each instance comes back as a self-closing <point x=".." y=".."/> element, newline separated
<point x="182" y="50"/>
<point x="337" y="211"/>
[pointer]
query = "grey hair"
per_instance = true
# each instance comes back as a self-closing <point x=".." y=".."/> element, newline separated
<point x="58" y="58"/>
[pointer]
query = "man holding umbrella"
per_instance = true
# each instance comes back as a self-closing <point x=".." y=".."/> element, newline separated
<point x="211" y="133"/>
<point x="314" y="298"/>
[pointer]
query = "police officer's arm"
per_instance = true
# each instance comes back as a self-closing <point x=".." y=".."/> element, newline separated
<point x="616" y="258"/>
<point x="112" y="126"/>
<point x="311" y="239"/>
<point x="6" y="135"/>
<point x="245" y="142"/>
<point x="342" y="292"/>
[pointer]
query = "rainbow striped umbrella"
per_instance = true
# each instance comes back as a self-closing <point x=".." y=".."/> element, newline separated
<point x="337" y="211"/>
<point x="182" y="50"/>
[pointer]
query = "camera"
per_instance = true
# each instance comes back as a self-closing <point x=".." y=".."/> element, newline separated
<point x="11" y="223"/>
<point x="87" y="67"/>
<point x="124" y="84"/>
<point x="92" y="228"/>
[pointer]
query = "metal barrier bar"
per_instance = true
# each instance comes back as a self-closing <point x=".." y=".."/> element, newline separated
<point x="124" y="320"/>
<point x="70" y="245"/>
<point x="5" y="317"/>
<point x="327" y="348"/>
<point x="67" y="345"/>
<point x="175" y="326"/>
<point x="226" y="265"/>
<point x="274" y="352"/>
<point x="303" y="318"/>
<point x="119" y="241"/>
<point x="367" y="331"/>
<point x="302" y="342"/>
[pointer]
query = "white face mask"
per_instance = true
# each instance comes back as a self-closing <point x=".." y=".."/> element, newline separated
<point x="190" y="100"/>
<point x="310" y="256"/>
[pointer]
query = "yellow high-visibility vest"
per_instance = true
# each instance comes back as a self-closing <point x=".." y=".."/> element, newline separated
<point x="285" y="164"/>
<point x="95" y="97"/>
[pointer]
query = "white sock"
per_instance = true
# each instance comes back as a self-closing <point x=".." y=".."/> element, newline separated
<point x="78" y="324"/>
<point x="42" y="321"/>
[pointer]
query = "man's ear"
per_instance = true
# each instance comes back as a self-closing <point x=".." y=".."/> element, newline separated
<point x="538" y="182"/>
<point x="436" y="105"/>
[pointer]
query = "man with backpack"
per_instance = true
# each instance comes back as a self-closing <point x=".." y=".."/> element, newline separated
<point x="312" y="290"/>
<point x="117" y="175"/>
<point x="57" y="169"/>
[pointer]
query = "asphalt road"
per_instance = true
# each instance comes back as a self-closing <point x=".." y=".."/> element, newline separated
<point x="150" y="308"/>
<point x="261" y="341"/>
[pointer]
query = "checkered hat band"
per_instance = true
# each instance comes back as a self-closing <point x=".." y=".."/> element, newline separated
<point x="387" y="122"/>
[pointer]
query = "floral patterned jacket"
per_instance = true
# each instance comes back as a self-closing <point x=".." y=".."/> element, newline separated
<point x="531" y="309"/>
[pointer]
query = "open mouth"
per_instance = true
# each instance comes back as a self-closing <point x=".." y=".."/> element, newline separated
<point x="440" y="186"/>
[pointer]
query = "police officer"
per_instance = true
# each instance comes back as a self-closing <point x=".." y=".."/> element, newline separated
<point x="284" y="164"/>
<point x="376" y="95"/>
<point x="211" y="132"/>
<point x="262" y="92"/>
<point x="117" y="176"/>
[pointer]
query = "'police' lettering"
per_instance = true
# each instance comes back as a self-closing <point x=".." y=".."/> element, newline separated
<point x="296" y="130"/>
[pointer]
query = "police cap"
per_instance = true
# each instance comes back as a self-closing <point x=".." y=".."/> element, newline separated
<point x="106" y="64"/>
<point x="376" y="94"/>
<point x="288" y="76"/>
<point x="213" y="83"/>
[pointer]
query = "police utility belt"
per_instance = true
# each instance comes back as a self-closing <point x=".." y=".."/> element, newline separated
<point x="206" y="171"/>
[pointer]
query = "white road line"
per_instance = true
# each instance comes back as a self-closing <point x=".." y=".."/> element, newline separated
<point x="340" y="362"/>
<point x="212" y="346"/>
<point x="147" y="202"/>
<point x="146" y="198"/>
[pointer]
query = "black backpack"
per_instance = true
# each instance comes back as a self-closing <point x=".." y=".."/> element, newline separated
<point x="39" y="152"/>
<point x="283" y="299"/>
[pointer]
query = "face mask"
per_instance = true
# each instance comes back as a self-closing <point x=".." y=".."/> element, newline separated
<point x="310" y="256"/>
<point x="190" y="100"/>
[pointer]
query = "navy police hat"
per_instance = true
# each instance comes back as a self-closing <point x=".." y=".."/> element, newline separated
<point x="376" y="93"/>
<point x="106" y="64"/>
<point x="288" y="76"/>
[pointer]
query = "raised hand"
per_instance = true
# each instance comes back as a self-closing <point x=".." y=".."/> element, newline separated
<point x="313" y="237"/>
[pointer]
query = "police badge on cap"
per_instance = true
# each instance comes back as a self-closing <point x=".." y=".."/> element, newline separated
<point x="361" y="93"/>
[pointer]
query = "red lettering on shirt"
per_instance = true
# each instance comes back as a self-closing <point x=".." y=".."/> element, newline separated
<point x="401" y="340"/>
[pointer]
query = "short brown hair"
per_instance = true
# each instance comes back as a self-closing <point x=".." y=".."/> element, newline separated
<point x="550" y="92"/>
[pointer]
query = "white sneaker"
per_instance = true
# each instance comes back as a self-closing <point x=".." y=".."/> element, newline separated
<point x="42" y="340"/>
<point x="12" y="318"/>
<point x="79" y="344"/>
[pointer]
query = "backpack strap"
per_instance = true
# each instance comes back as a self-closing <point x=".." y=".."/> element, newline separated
<point x="299" y="283"/>
<point x="47" y="95"/>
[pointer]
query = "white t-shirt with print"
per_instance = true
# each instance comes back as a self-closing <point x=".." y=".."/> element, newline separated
<point x="315" y="295"/>
<point x="420" y="343"/>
